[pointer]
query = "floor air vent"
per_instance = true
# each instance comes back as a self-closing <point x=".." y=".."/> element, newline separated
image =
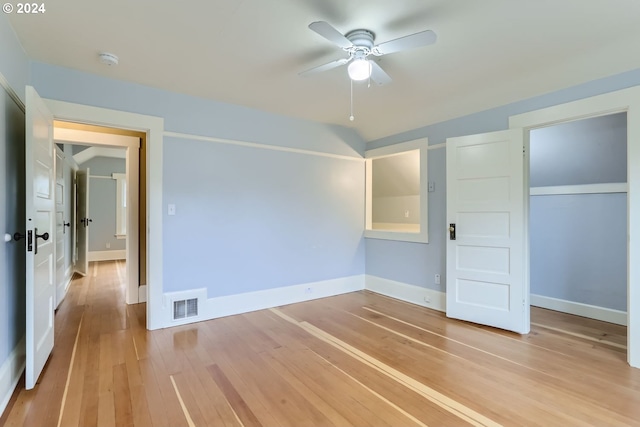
<point x="183" y="309"/>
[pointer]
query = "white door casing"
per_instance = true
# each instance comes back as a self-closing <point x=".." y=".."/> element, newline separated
<point x="154" y="129"/>
<point x="106" y="143"/>
<point x="40" y="219"/>
<point x="82" y="213"/>
<point x="619" y="101"/>
<point x="486" y="273"/>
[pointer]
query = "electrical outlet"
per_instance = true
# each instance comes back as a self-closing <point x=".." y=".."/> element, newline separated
<point x="406" y="214"/>
<point x="308" y="290"/>
<point x="108" y="245"/>
<point x="427" y="299"/>
<point x="437" y="279"/>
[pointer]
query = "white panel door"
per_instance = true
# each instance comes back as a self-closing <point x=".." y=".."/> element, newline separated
<point x="486" y="274"/>
<point x="61" y="231"/>
<point x="40" y="220"/>
<point x="82" y="221"/>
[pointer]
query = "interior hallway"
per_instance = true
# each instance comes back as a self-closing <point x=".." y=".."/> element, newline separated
<point x="356" y="359"/>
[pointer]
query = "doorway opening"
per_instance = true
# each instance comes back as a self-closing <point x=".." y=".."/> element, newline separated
<point x="103" y="176"/>
<point x="578" y="228"/>
<point x="628" y="101"/>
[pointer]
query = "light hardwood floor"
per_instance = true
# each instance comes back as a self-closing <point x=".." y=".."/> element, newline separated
<point x="354" y="360"/>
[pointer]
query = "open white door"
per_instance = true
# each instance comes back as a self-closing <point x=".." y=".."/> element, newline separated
<point x="82" y="221"/>
<point x="40" y="220"/>
<point x="61" y="229"/>
<point x="486" y="275"/>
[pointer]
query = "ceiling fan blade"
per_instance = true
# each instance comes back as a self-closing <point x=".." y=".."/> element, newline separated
<point x="412" y="41"/>
<point x="324" y="67"/>
<point x="331" y="34"/>
<point x="378" y="75"/>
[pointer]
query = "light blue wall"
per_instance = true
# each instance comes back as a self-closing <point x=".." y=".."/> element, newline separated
<point x="579" y="248"/>
<point x="589" y="151"/>
<point x="578" y="243"/>
<point x="415" y="263"/>
<point x="104" y="166"/>
<point x="14" y="69"/>
<point x="14" y="64"/>
<point x="188" y="114"/>
<point x="247" y="218"/>
<point x="102" y="203"/>
<point x="250" y="219"/>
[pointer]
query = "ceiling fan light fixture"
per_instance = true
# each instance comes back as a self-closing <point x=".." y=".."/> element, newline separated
<point x="359" y="69"/>
<point x="107" y="58"/>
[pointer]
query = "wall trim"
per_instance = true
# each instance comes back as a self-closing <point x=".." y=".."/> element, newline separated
<point x="12" y="93"/>
<point x="68" y="277"/>
<point x="212" y="308"/>
<point x="437" y="146"/>
<point x="613" y="102"/>
<point x="142" y="293"/>
<point x="97" y="151"/>
<point x="258" y="145"/>
<point x="10" y="373"/>
<point x="614" y="187"/>
<point x="406" y="292"/>
<point x="154" y="128"/>
<point x="107" y="255"/>
<point x="585" y="310"/>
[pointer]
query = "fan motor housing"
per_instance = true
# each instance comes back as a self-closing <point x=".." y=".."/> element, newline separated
<point x="361" y="38"/>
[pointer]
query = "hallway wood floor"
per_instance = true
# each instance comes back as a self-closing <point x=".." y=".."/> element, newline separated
<point x="359" y="359"/>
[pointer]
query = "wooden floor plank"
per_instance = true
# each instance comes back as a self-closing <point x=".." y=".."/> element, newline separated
<point x="359" y="359"/>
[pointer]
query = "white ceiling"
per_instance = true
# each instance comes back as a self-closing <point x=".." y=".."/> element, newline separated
<point x="249" y="52"/>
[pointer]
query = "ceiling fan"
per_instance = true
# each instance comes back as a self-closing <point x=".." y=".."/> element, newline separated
<point x="359" y="45"/>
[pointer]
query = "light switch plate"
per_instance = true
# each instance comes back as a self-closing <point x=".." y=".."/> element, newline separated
<point x="171" y="209"/>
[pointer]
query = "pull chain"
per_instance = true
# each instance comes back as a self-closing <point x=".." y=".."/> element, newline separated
<point x="351" y="116"/>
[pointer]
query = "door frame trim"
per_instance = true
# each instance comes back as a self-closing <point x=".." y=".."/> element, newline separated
<point x="154" y="128"/>
<point x="131" y="146"/>
<point x="626" y="100"/>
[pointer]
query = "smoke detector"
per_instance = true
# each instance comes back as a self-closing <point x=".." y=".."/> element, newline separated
<point x="108" y="58"/>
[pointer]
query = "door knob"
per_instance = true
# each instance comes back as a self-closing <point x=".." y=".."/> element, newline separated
<point x="17" y="236"/>
<point x="64" y="226"/>
<point x="43" y="236"/>
<point x="452" y="231"/>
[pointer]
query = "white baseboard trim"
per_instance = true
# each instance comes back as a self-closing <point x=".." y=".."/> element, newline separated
<point x="212" y="308"/>
<point x="107" y="255"/>
<point x="68" y="276"/>
<point x="142" y="293"/>
<point x="410" y="293"/>
<point x="10" y="373"/>
<point x="585" y="310"/>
